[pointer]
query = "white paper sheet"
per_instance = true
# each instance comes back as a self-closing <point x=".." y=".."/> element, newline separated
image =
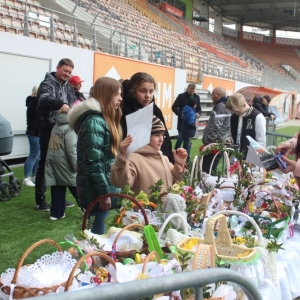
<point x="139" y="126"/>
<point x="260" y="156"/>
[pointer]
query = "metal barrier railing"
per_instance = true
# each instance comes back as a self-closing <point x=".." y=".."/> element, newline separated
<point x="142" y="288"/>
<point x="273" y="138"/>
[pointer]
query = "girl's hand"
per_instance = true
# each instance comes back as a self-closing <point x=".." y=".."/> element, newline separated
<point x="290" y="165"/>
<point x="124" y="145"/>
<point x="105" y="204"/>
<point x="286" y="147"/>
<point x="180" y="156"/>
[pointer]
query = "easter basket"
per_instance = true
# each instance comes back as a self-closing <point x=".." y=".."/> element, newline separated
<point x="25" y="283"/>
<point x="222" y="245"/>
<point x="82" y="260"/>
<point x="198" y="162"/>
<point x="152" y="266"/>
<point x="113" y="251"/>
<point x="173" y="234"/>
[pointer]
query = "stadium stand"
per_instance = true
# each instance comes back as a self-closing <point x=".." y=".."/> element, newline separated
<point x="140" y="30"/>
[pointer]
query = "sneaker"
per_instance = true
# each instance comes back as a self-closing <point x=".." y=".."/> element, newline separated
<point x="27" y="181"/>
<point x="55" y="219"/>
<point x="33" y="179"/>
<point x="43" y="206"/>
<point x="69" y="204"/>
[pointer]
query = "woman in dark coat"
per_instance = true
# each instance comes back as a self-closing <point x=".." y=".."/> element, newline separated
<point x="138" y="92"/>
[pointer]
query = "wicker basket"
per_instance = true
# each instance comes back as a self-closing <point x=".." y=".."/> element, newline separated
<point x="81" y="260"/>
<point x="223" y="247"/>
<point x="100" y="198"/>
<point x="135" y="202"/>
<point x="22" y="292"/>
<point x="113" y="254"/>
<point x="198" y="162"/>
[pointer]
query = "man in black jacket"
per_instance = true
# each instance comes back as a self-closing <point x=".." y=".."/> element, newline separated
<point x="54" y="93"/>
<point x="262" y="105"/>
<point x="179" y="104"/>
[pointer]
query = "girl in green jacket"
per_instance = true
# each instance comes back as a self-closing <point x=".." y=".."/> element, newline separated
<point x="97" y="123"/>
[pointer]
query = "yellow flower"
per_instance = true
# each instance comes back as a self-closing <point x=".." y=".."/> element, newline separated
<point x="143" y="197"/>
<point x="239" y="240"/>
<point x="176" y="188"/>
<point x="191" y="244"/>
<point x="293" y="181"/>
<point x="251" y="207"/>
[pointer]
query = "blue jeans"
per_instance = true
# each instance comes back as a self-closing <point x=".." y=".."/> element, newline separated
<point x="58" y="199"/>
<point x="179" y="141"/>
<point x="99" y="226"/>
<point x="187" y="146"/>
<point x="32" y="161"/>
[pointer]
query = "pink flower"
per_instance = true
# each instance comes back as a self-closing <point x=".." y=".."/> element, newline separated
<point x="233" y="168"/>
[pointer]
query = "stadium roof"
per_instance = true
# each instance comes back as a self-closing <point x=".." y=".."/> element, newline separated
<point x="284" y="15"/>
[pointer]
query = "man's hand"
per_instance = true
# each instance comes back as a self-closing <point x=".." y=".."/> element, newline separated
<point x="124" y="145"/>
<point x="105" y="204"/>
<point x="197" y="115"/>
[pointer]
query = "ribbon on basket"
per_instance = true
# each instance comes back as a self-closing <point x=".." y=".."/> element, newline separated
<point x="152" y="240"/>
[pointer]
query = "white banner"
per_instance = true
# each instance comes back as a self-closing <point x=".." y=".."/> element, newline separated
<point x="256" y="37"/>
<point x="284" y="41"/>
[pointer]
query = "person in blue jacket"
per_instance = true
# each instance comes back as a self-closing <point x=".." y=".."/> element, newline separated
<point x="188" y="128"/>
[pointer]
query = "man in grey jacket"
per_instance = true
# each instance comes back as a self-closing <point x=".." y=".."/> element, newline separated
<point x="217" y="129"/>
<point x="54" y="93"/>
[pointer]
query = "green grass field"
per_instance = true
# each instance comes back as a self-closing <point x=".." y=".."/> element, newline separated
<point x="22" y="225"/>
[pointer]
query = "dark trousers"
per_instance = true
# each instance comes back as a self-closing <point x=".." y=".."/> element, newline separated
<point x="187" y="144"/>
<point x="40" y="187"/>
<point x="58" y="199"/>
<point x="179" y="140"/>
<point x="207" y="159"/>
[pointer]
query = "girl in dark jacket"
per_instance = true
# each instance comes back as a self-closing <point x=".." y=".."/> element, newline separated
<point x="138" y="92"/>
<point x="97" y="123"/>
<point x="31" y="163"/>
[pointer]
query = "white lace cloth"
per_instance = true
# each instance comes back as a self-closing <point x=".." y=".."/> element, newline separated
<point x="47" y="271"/>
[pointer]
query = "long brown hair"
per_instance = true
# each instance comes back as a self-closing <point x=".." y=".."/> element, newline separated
<point x="136" y="80"/>
<point x="103" y="91"/>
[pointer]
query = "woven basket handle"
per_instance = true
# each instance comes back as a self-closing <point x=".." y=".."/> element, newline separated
<point x="100" y="198"/>
<point x="81" y="260"/>
<point x="223" y="233"/>
<point x="134" y="225"/>
<point x="26" y="253"/>
<point x="150" y="257"/>
<point x="211" y="165"/>
<point x="251" y="220"/>
<point x="195" y="169"/>
<point x="168" y="219"/>
<point x="230" y="187"/>
<point x="263" y="183"/>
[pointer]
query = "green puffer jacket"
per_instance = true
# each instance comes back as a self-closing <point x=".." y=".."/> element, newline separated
<point x="60" y="165"/>
<point x="94" y="158"/>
